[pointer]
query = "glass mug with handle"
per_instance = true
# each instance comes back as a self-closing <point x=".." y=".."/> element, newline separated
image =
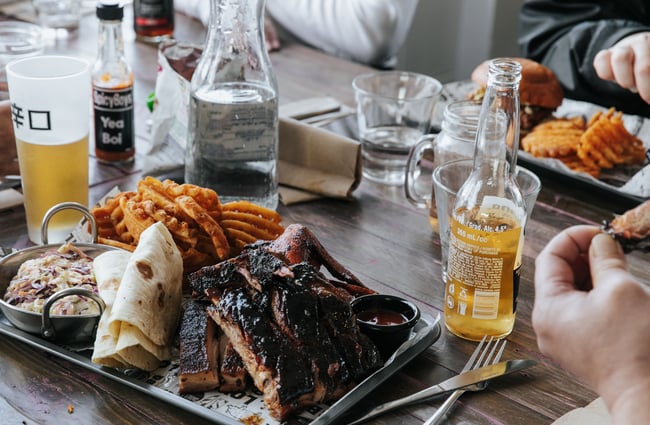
<point x="455" y="141"/>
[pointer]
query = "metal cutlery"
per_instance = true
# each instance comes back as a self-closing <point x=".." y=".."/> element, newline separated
<point x="463" y="380"/>
<point x="473" y="363"/>
<point x="10" y="184"/>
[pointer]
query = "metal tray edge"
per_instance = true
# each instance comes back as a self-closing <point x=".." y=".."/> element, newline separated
<point x="430" y="334"/>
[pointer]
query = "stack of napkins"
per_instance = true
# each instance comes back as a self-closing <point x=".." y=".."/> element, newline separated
<point x="316" y="163"/>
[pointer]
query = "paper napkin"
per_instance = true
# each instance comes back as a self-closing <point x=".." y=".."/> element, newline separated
<point x="595" y="413"/>
<point x="10" y="198"/>
<point x="316" y="163"/>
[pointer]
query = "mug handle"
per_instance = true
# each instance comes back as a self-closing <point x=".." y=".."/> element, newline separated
<point x="416" y="154"/>
<point x="68" y="206"/>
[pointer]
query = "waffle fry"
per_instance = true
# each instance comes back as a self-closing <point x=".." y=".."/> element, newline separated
<point x="602" y="143"/>
<point x="204" y="231"/>
<point x="244" y="223"/>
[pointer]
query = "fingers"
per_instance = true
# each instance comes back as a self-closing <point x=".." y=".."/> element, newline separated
<point x="555" y="266"/>
<point x="602" y="65"/>
<point x="622" y="62"/>
<point x="627" y="63"/>
<point x="271" y="35"/>
<point x="607" y="260"/>
<point x="642" y="69"/>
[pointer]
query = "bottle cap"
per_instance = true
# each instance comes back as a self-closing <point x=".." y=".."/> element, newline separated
<point x="110" y="11"/>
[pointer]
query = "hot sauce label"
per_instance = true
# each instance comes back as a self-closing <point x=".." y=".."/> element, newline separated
<point x="114" y="130"/>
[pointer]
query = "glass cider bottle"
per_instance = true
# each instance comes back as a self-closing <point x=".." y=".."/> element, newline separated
<point x="232" y="141"/>
<point x="153" y="20"/>
<point x="486" y="237"/>
<point x="112" y="83"/>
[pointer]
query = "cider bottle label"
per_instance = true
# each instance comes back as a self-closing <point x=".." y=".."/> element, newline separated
<point x="114" y="131"/>
<point x="483" y="270"/>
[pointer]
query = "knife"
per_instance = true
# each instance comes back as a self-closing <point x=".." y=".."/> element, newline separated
<point x="464" y="379"/>
<point x="11" y="184"/>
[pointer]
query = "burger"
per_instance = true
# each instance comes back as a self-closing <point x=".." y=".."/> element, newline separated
<point x="540" y="92"/>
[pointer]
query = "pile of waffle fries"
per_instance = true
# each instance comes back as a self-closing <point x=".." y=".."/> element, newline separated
<point x="601" y="143"/>
<point x="204" y="230"/>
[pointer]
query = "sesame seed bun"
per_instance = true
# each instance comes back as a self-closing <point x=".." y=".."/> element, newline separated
<point x="539" y="86"/>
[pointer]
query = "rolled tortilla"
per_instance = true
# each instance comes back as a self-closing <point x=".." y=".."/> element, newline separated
<point x="147" y="305"/>
<point x="109" y="268"/>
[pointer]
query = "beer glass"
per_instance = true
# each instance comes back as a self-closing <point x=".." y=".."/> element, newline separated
<point x="50" y="109"/>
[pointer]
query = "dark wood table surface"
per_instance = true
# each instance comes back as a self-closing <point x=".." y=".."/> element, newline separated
<point x="378" y="235"/>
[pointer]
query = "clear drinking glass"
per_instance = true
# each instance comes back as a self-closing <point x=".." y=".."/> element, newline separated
<point x="50" y="101"/>
<point x="394" y="109"/>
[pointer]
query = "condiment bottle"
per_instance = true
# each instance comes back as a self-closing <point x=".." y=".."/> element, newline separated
<point x="232" y="143"/>
<point x="153" y="20"/>
<point x="486" y="237"/>
<point x="112" y="80"/>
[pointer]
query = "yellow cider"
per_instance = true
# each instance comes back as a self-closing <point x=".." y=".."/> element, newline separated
<point x="482" y="276"/>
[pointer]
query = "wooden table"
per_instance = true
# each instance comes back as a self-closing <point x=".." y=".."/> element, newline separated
<point x="377" y="235"/>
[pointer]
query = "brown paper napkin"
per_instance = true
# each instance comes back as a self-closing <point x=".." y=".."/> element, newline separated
<point x="595" y="413"/>
<point x="10" y="198"/>
<point x="316" y="163"/>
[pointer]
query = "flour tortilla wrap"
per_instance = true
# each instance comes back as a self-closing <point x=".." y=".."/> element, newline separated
<point x="147" y="306"/>
<point x="109" y="268"/>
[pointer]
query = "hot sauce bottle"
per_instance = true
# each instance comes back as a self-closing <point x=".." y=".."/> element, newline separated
<point x="112" y="81"/>
<point x="153" y="20"/>
<point x="486" y="237"/>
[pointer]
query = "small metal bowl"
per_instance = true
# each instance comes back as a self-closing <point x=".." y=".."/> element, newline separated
<point x="60" y="328"/>
<point x="387" y="319"/>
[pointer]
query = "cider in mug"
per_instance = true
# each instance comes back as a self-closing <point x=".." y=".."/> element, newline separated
<point x="55" y="173"/>
<point x="50" y="108"/>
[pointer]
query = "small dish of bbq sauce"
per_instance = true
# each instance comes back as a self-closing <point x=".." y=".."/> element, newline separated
<point x="386" y="319"/>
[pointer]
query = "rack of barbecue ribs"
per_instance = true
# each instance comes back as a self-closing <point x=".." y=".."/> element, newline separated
<point x="632" y="228"/>
<point x="290" y="324"/>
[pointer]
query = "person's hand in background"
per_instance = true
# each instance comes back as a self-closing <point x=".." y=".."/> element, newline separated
<point x="592" y="316"/>
<point x="7" y="142"/>
<point x="271" y="34"/>
<point x="627" y="63"/>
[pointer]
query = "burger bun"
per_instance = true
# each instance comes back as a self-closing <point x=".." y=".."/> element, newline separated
<point x="538" y="87"/>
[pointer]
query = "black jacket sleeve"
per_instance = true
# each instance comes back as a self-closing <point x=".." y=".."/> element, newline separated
<point x="566" y="35"/>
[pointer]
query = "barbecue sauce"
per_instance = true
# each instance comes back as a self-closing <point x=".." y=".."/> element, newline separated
<point x="381" y="317"/>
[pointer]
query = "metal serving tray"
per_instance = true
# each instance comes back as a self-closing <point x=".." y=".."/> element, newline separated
<point x="233" y="408"/>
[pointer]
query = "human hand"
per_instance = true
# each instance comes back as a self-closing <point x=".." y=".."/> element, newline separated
<point x="271" y="35"/>
<point x="627" y="63"/>
<point x="591" y="315"/>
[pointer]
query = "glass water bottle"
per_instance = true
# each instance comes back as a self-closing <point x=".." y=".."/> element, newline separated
<point x="233" y="119"/>
<point x="486" y="237"/>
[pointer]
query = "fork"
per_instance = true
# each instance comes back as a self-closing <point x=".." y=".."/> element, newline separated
<point x="493" y="353"/>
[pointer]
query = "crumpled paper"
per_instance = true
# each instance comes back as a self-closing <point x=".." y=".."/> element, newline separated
<point x="312" y="163"/>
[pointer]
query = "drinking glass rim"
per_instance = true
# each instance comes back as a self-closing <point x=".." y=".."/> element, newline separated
<point x="18" y="67"/>
<point x="435" y="82"/>
<point x="436" y="176"/>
